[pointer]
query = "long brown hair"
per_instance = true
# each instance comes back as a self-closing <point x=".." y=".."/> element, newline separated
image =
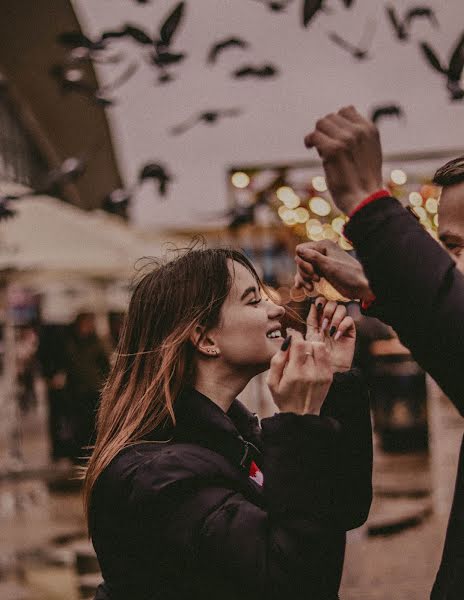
<point x="154" y="357"/>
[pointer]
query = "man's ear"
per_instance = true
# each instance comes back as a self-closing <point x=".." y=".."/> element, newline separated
<point x="203" y="342"/>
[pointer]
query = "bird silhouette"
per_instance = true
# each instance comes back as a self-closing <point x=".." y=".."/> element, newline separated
<point x="72" y="80"/>
<point x="263" y="72"/>
<point x="210" y="117"/>
<point x="275" y="5"/>
<point x="76" y="39"/>
<point x="386" y="110"/>
<point x="162" y="55"/>
<point x="6" y="212"/>
<point x="360" y="51"/>
<point x="156" y="172"/>
<point x="452" y="72"/>
<point x="219" y="47"/>
<point x="402" y="27"/>
<point x="310" y="10"/>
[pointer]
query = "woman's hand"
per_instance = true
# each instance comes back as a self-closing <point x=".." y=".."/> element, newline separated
<point x="328" y="322"/>
<point x="300" y="375"/>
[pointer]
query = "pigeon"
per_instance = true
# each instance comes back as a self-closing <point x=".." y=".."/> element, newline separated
<point x="276" y="5"/>
<point x="162" y="55"/>
<point x="158" y="173"/>
<point x="218" y="47"/>
<point x="386" y="110"/>
<point x="453" y="71"/>
<point x="209" y="117"/>
<point x="402" y="27"/>
<point x="310" y="10"/>
<point x="252" y="71"/>
<point x="360" y="51"/>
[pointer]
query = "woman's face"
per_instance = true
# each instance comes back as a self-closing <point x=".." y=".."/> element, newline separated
<point x="249" y="332"/>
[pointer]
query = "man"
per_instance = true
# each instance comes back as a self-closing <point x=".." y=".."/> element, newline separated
<point x="410" y="281"/>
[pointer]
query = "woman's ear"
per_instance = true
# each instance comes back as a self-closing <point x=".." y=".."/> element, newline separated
<point x="203" y="343"/>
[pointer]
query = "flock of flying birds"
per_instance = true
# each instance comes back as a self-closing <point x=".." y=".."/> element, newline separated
<point x="162" y="55"/>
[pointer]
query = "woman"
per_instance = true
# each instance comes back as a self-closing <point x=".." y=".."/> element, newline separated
<point x="186" y="495"/>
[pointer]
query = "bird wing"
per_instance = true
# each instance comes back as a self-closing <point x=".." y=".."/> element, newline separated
<point x="121" y="79"/>
<point x="244" y="71"/>
<point x="170" y="25"/>
<point x="391" y="14"/>
<point x="310" y="8"/>
<point x="228" y="43"/>
<point x="414" y="13"/>
<point x="138" y="35"/>
<point x="337" y="39"/>
<point x="387" y="110"/>
<point x="432" y="58"/>
<point x="185" y="126"/>
<point x="456" y="62"/>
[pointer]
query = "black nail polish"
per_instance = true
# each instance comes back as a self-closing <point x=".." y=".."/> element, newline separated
<point x="286" y="343"/>
<point x="319" y="306"/>
<point x="332" y="331"/>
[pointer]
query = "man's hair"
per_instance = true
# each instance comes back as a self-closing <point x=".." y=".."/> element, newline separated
<point x="450" y="173"/>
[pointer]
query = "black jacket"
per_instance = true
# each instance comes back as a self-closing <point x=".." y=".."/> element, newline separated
<point x="420" y="293"/>
<point x="183" y="520"/>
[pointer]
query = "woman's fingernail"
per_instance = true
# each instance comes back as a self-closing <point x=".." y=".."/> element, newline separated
<point x="286" y="343"/>
<point x="333" y="329"/>
<point x="338" y="336"/>
<point x="325" y="322"/>
<point x="319" y="306"/>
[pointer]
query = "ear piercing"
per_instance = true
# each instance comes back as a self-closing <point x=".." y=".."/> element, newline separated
<point x="213" y="351"/>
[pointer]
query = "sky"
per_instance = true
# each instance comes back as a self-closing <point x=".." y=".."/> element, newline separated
<point x="315" y="77"/>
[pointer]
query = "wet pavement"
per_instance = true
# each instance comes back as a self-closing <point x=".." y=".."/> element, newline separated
<point x="44" y="554"/>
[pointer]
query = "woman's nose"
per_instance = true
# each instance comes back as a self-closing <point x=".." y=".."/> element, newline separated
<point x="276" y="311"/>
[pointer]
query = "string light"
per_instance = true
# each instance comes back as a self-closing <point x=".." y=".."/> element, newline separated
<point x="344" y="243"/>
<point x="337" y="224"/>
<point x="420" y="212"/>
<point x="319" y="206"/>
<point x="288" y="197"/>
<point x="435" y="221"/>
<point x="301" y="214"/>
<point x="329" y="233"/>
<point x="431" y="205"/>
<point x="415" y="199"/>
<point x="398" y="176"/>
<point x="240" y="180"/>
<point x="319" y="183"/>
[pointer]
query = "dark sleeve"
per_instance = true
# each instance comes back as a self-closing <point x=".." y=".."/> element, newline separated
<point x="287" y="548"/>
<point x="419" y="291"/>
<point x="348" y="401"/>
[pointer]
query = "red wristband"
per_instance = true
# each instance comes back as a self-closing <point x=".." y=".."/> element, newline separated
<point x="365" y="304"/>
<point x="375" y="196"/>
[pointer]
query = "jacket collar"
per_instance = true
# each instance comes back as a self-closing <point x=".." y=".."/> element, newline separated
<point x="235" y="434"/>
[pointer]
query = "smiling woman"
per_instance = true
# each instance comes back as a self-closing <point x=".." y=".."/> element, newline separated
<point x="183" y="479"/>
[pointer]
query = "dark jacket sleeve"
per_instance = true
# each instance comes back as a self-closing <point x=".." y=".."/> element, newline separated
<point x="348" y="402"/>
<point x="419" y="291"/>
<point x="288" y="547"/>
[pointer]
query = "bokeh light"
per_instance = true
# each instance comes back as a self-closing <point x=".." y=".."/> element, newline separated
<point x="431" y="205"/>
<point x="288" y="197"/>
<point x="415" y="199"/>
<point x="240" y="180"/>
<point x="301" y="214"/>
<point x="319" y="206"/>
<point x="338" y="224"/>
<point x="398" y="176"/>
<point x="319" y="183"/>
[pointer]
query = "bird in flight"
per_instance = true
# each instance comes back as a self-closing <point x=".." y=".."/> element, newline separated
<point x="219" y="47"/>
<point x="452" y="71"/>
<point x="386" y="110"/>
<point x="210" y="117"/>
<point x="402" y="27"/>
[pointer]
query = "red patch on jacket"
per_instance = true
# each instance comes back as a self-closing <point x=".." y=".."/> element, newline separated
<point x="256" y="474"/>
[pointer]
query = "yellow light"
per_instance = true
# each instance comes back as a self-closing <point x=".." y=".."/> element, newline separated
<point x="289" y="217"/>
<point x="337" y="224"/>
<point x="415" y="199"/>
<point x="329" y="233"/>
<point x="319" y="183"/>
<point x="314" y="230"/>
<point x="398" y="176"/>
<point x="319" y="206"/>
<point x="282" y="210"/>
<point x="301" y="214"/>
<point x="240" y="179"/>
<point x="435" y="220"/>
<point x="286" y="195"/>
<point x="345" y="244"/>
<point x="420" y="212"/>
<point x="431" y="205"/>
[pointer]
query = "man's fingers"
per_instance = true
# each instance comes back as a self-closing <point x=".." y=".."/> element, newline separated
<point x="351" y="114"/>
<point x="306" y="270"/>
<point x="322" y="142"/>
<point x="300" y="282"/>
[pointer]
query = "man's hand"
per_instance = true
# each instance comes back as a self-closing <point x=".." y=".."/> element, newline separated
<point x="326" y="259"/>
<point x="349" y="146"/>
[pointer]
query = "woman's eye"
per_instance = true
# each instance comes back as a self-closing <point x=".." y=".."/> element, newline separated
<point x="256" y="301"/>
